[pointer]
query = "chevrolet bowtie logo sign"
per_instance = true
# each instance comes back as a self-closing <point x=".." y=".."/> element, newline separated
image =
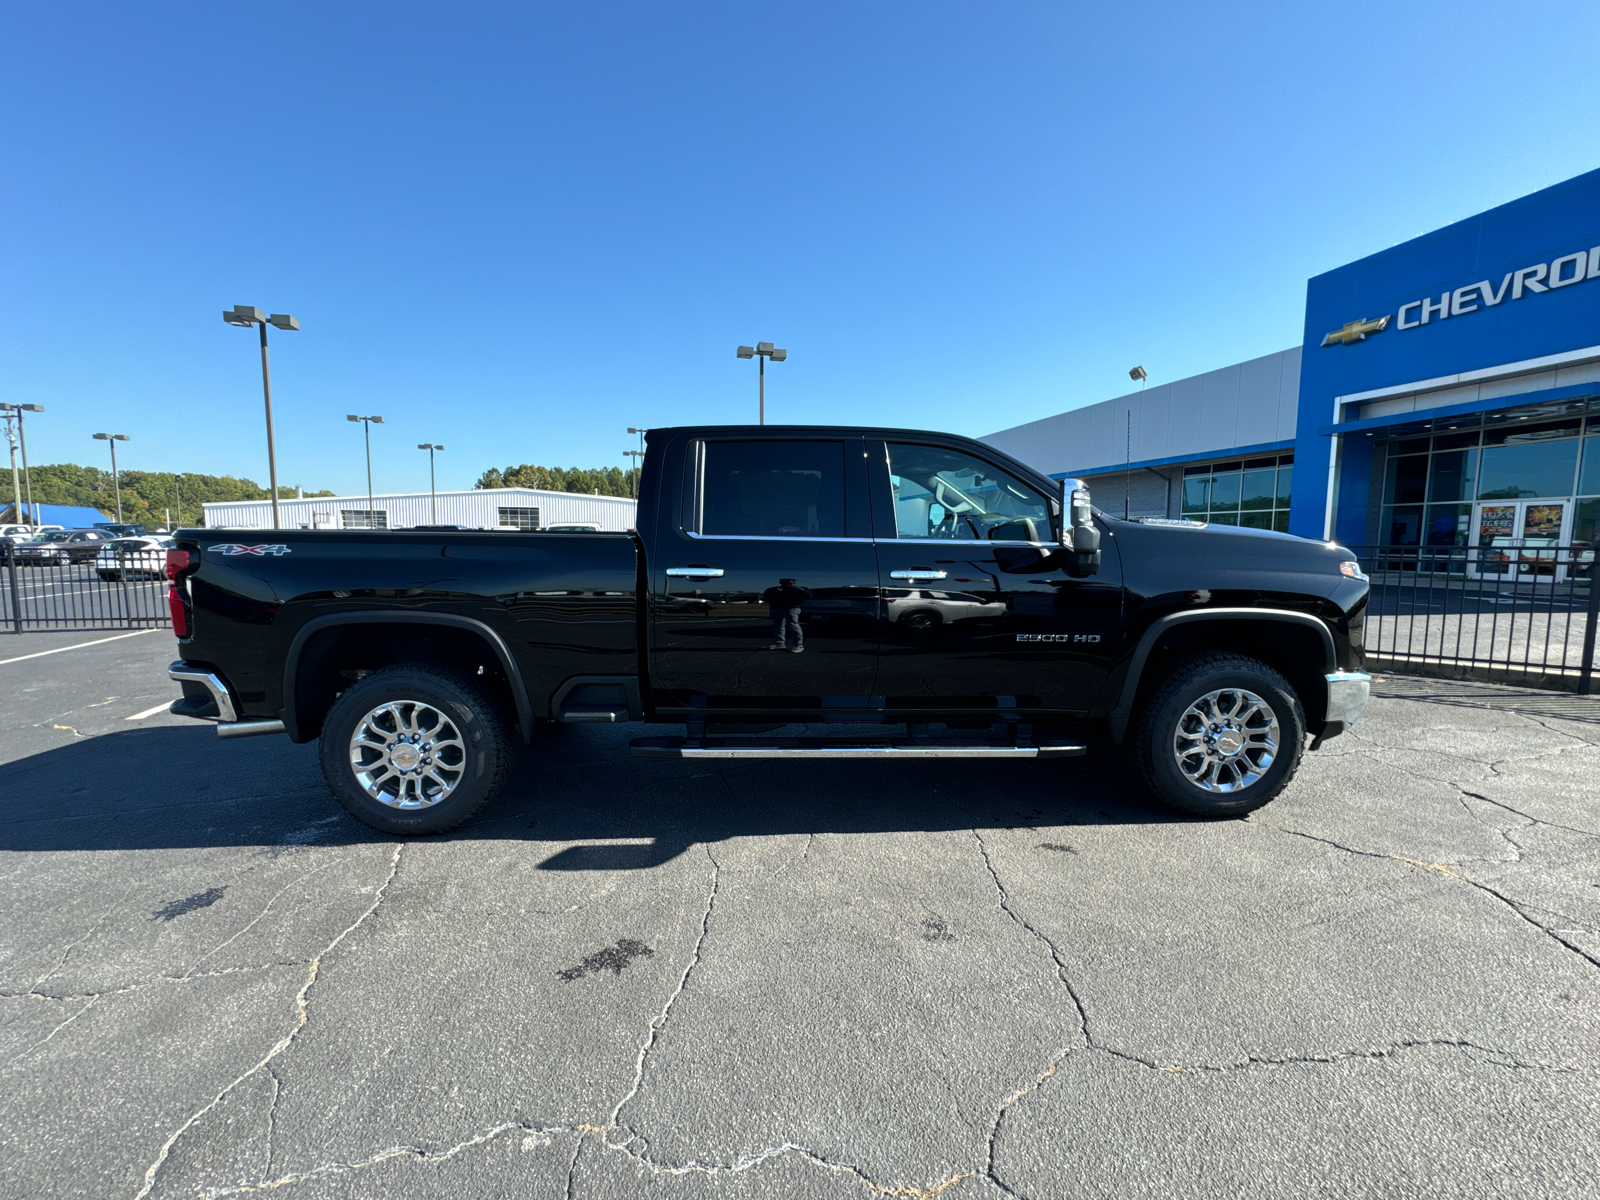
<point x="1355" y="331"/>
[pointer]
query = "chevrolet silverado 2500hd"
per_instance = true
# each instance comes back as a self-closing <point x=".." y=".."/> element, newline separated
<point x="927" y="586"/>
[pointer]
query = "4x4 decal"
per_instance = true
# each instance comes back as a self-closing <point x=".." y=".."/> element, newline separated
<point x="232" y="548"/>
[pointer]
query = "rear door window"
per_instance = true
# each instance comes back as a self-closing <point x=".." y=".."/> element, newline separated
<point x="773" y="489"/>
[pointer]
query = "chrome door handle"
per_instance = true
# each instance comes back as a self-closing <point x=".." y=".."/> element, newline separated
<point x="694" y="572"/>
<point x="918" y="576"/>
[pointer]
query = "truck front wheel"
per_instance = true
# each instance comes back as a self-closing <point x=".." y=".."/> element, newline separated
<point x="415" y="748"/>
<point x="1220" y="736"/>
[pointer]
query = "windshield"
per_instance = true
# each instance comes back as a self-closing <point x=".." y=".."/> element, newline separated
<point x="132" y="544"/>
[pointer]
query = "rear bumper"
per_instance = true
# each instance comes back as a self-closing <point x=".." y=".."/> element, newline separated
<point x="200" y="683"/>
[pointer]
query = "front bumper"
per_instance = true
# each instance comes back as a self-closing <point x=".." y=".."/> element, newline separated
<point x="1348" y="694"/>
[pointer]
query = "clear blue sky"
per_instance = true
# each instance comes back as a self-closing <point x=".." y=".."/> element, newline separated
<point x="518" y="229"/>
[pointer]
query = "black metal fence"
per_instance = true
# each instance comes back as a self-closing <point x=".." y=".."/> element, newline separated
<point x="1517" y="614"/>
<point x="58" y="591"/>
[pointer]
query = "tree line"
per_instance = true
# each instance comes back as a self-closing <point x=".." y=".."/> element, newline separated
<point x="607" y="481"/>
<point x="147" y="496"/>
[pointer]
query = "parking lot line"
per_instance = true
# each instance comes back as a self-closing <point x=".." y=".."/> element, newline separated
<point x="150" y="712"/>
<point x="80" y="645"/>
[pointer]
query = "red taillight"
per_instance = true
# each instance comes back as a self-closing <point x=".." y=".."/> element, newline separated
<point x="180" y="614"/>
<point x="177" y="562"/>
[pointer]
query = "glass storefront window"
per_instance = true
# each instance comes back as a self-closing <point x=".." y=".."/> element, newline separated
<point x="1449" y="524"/>
<point x="1257" y="490"/>
<point x="1453" y="473"/>
<point x="1404" y="523"/>
<point x="1253" y="493"/>
<point x="1528" y="469"/>
<point x="1406" y="480"/>
<point x="1225" y="492"/>
<point x="1589" y="466"/>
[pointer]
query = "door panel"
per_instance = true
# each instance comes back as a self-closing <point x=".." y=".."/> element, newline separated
<point x="714" y="635"/>
<point x="999" y="627"/>
<point x="781" y="529"/>
<point x="978" y="611"/>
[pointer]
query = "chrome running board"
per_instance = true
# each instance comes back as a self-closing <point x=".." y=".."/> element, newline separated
<point x="828" y="749"/>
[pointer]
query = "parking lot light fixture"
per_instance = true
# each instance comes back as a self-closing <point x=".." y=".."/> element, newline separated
<point x="366" y="426"/>
<point x="433" y="496"/>
<point x="762" y="351"/>
<point x="243" y="316"/>
<point x="116" y="480"/>
<point x="17" y="410"/>
<point x="16" y="480"/>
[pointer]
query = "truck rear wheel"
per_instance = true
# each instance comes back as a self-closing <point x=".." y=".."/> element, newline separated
<point x="415" y="748"/>
<point x="1220" y="736"/>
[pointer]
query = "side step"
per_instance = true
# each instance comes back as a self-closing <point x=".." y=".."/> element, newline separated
<point x="833" y="748"/>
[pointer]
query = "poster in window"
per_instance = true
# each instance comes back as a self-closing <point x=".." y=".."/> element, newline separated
<point x="1543" y="521"/>
<point x="1496" y="522"/>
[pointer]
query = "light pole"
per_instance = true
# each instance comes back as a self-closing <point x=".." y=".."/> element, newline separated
<point x="366" y="425"/>
<point x="16" y="480"/>
<point x="638" y="457"/>
<point x="245" y="315"/>
<point x="763" y="351"/>
<point x="433" y="497"/>
<point x="177" y="481"/>
<point x="116" y="480"/>
<point x="22" y="439"/>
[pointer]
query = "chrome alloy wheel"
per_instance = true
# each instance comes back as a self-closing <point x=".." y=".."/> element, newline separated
<point x="407" y="754"/>
<point x="1226" y="740"/>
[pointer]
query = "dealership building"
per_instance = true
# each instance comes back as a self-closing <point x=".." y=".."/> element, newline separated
<point x="479" y="508"/>
<point x="1446" y="393"/>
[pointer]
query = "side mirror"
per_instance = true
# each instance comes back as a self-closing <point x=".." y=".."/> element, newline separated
<point x="1080" y="540"/>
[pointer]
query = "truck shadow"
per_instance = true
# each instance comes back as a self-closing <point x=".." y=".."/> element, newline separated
<point x="575" y="796"/>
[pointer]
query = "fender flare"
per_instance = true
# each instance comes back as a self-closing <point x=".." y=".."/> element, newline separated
<point x="519" y="689"/>
<point x="1117" y="719"/>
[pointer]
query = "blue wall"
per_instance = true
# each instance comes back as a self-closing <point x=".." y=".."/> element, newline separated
<point x="1535" y="229"/>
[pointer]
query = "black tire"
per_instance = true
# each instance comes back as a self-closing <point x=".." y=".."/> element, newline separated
<point x="474" y="772"/>
<point x="1211" y="780"/>
<point x="922" y="622"/>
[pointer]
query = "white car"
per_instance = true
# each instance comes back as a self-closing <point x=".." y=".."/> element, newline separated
<point x="134" y="558"/>
<point x="21" y="533"/>
<point x="572" y="529"/>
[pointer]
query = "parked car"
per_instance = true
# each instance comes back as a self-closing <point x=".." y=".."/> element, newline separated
<point x="134" y="558"/>
<point x="62" y="546"/>
<point x="116" y="530"/>
<point x="1210" y="653"/>
<point x="572" y="529"/>
<point x="15" y="534"/>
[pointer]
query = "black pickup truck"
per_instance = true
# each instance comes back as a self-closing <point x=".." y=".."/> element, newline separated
<point x="898" y="593"/>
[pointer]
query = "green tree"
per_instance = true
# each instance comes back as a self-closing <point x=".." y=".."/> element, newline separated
<point x="146" y="495"/>
<point x="607" y="481"/>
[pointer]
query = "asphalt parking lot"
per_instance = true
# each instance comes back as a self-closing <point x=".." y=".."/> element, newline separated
<point x="649" y="979"/>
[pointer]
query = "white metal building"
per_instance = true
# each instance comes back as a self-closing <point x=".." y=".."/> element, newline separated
<point x="480" y="508"/>
<point x="1139" y="448"/>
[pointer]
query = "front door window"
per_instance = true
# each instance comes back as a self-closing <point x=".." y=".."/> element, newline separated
<point x="946" y="495"/>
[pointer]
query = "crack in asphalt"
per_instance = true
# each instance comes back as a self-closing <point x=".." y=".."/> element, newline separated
<point x="302" y="1015"/>
<point x="660" y="1021"/>
<point x="151" y="982"/>
<point x="1447" y="869"/>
